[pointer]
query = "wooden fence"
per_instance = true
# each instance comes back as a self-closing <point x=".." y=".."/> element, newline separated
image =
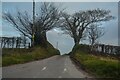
<point x="14" y="42"/>
<point x="107" y="49"/>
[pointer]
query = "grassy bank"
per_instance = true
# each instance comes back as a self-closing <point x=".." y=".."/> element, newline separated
<point x="17" y="56"/>
<point x="99" y="66"/>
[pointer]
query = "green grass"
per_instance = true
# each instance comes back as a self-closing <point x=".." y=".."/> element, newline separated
<point x="0" y="61"/>
<point x="17" y="56"/>
<point x="98" y="66"/>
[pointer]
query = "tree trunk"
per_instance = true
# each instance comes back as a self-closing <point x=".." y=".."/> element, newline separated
<point x="44" y="36"/>
<point x="40" y="39"/>
<point x="76" y="41"/>
<point x="92" y="44"/>
<point x="31" y="42"/>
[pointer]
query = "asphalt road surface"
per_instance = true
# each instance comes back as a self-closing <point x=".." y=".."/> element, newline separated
<point x="53" y="67"/>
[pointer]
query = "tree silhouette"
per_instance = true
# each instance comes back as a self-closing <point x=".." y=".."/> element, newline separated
<point x="44" y="21"/>
<point x="77" y="23"/>
<point x="94" y="32"/>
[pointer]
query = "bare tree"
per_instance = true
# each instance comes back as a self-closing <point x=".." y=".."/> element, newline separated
<point x="94" y="33"/>
<point x="45" y="20"/>
<point x="76" y="24"/>
<point x="21" y="22"/>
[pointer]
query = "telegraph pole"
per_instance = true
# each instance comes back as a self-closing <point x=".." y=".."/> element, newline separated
<point x="57" y="45"/>
<point x="33" y="27"/>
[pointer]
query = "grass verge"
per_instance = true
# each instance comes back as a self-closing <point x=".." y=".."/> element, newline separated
<point x="99" y="66"/>
<point x="17" y="56"/>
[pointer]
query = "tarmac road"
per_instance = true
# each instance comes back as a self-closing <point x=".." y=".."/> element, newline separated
<point x="53" y="67"/>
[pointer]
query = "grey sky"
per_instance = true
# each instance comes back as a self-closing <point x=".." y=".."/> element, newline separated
<point x="61" y="0"/>
<point x="65" y="42"/>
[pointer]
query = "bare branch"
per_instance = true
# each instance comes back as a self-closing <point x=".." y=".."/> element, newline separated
<point x="77" y="23"/>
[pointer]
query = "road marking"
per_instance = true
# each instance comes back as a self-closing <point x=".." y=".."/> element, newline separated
<point x="43" y="68"/>
<point x="65" y="69"/>
<point x="60" y="77"/>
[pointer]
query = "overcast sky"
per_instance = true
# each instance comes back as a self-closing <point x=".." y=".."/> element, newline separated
<point x="65" y="42"/>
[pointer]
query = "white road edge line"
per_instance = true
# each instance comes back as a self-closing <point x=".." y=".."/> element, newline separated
<point x="43" y="68"/>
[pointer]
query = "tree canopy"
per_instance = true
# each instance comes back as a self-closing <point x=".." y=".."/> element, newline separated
<point x="44" y="21"/>
<point x="77" y="23"/>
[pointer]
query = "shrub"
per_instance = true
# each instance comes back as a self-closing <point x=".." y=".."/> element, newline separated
<point x="81" y="47"/>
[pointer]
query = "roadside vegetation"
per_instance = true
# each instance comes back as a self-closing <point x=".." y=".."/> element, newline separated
<point x="17" y="56"/>
<point x="34" y="29"/>
<point x="0" y="61"/>
<point x="97" y="65"/>
<point x="81" y="25"/>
